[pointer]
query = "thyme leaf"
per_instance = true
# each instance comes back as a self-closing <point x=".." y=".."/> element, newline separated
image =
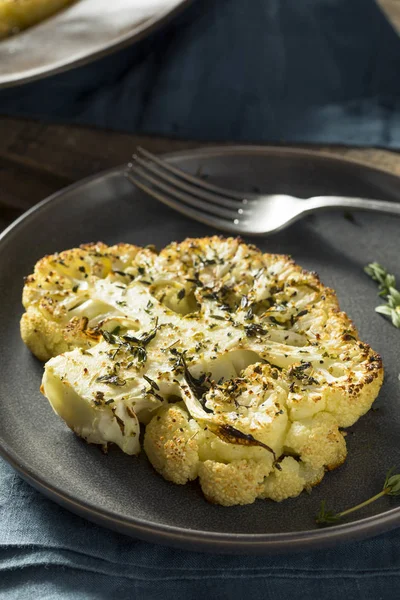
<point x="123" y="274"/>
<point x="197" y="385"/>
<point x="132" y="344"/>
<point x="326" y="517"/>
<point x="140" y="353"/>
<point x="111" y="338"/>
<point x="144" y="340"/>
<point x="196" y="280"/>
<point x="254" y="330"/>
<point x="231" y="435"/>
<point x="387" y="289"/>
<point x="249" y="315"/>
<point x="111" y="380"/>
<point x="391" y="487"/>
<point x="152" y="383"/>
<point x="181" y="294"/>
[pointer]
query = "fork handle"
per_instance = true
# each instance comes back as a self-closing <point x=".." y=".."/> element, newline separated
<point x="329" y="202"/>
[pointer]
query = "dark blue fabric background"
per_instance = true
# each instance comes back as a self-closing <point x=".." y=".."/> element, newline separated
<point x="255" y="70"/>
<point x="47" y="553"/>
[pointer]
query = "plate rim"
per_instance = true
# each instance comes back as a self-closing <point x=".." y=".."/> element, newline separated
<point x="138" y="33"/>
<point x="180" y="536"/>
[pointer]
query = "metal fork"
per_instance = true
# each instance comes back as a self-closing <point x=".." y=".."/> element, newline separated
<point x="232" y="211"/>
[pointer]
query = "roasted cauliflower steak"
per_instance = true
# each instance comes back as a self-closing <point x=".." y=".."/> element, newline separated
<point x="240" y="365"/>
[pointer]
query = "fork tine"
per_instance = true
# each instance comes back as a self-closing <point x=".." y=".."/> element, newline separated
<point x="179" y="206"/>
<point x="205" y="185"/>
<point x="188" y="199"/>
<point x="192" y="189"/>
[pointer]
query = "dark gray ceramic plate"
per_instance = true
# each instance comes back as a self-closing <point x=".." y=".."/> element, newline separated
<point x="124" y="493"/>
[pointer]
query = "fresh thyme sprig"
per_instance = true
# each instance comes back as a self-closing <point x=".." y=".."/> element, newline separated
<point x="387" y="290"/>
<point x="391" y="487"/>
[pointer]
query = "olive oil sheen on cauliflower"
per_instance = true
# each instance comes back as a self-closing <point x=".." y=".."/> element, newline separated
<point x="240" y="365"/>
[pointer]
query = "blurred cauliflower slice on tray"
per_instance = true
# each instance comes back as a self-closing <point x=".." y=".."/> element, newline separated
<point x="240" y="364"/>
<point x="17" y="15"/>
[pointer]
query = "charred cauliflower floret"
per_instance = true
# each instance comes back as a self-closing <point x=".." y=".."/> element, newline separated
<point x="240" y="364"/>
<point x="247" y="431"/>
<point x="70" y="294"/>
<point x="290" y="480"/>
<point x="172" y="444"/>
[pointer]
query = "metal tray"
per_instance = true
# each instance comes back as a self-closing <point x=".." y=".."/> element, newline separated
<point x="80" y="33"/>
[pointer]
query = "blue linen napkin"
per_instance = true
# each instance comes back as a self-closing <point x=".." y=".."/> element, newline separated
<point x="323" y="71"/>
<point x="48" y="553"/>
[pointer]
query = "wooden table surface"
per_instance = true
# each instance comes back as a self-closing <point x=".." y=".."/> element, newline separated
<point x="37" y="159"/>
